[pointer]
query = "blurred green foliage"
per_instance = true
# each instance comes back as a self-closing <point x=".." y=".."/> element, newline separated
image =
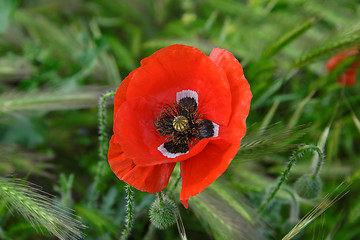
<point x="58" y="56"/>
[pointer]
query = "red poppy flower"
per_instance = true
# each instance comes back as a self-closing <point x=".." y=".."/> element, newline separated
<point x="349" y="76"/>
<point x="179" y="106"/>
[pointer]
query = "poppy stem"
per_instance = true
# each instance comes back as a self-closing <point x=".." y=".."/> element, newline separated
<point x="320" y="161"/>
<point x="296" y="156"/>
<point x="150" y="232"/>
<point x="159" y="195"/>
<point x="130" y="212"/>
<point x="173" y="187"/>
<point x="103" y="147"/>
<point x="102" y="127"/>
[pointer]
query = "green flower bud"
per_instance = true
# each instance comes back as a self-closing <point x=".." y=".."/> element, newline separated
<point x="308" y="186"/>
<point x="163" y="214"/>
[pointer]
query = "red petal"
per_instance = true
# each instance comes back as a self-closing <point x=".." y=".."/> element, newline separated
<point x="135" y="130"/>
<point x="240" y="93"/>
<point x="201" y="170"/>
<point x="180" y="67"/>
<point x="349" y="76"/>
<point x="334" y="61"/>
<point x="149" y="179"/>
<point x="120" y="95"/>
<point x="119" y="163"/>
<point x="185" y="203"/>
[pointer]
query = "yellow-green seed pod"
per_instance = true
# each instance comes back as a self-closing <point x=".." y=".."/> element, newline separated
<point x="180" y="123"/>
<point x="163" y="214"/>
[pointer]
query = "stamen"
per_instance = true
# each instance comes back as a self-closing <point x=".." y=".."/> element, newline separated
<point x="182" y="125"/>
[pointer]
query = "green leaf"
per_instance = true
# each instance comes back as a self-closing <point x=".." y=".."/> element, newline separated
<point x="7" y="7"/>
<point x="287" y="38"/>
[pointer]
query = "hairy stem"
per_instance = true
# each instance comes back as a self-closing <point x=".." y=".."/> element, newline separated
<point x="102" y="127"/>
<point x="103" y="146"/>
<point x="130" y="212"/>
<point x="320" y="160"/>
<point x="296" y="156"/>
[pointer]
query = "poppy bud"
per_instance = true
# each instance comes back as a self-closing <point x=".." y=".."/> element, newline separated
<point x="163" y="213"/>
<point x="308" y="186"/>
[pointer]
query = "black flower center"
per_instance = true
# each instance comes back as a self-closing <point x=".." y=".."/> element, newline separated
<point x="182" y="125"/>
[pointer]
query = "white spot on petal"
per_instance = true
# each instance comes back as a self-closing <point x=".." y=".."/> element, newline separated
<point x="187" y="93"/>
<point x="168" y="154"/>
<point x="216" y="129"/>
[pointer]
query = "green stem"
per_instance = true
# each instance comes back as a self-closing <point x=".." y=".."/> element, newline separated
<point x="103" y="146"/>
<point x="130" y="212"/>
<point x="150" y="232"/>
<point x="173" y="187"/>
<point x="296" y="156"/>
<point x="102" y="128"/>
<point x="294" y="207"/>
<point x="319" y="161"/>
<point x="159" y="195"/>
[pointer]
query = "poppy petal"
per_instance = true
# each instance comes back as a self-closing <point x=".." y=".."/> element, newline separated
<point x="203" y="169"/>
<point x="150" y="179"/>
<point x="119" y="163"/>
<point x="177" y="68"/>
<point x="334" y="61"/>
<point x="120" y="95"/>
<point x="349" y="76"/>
<point x="220" y="151"/>
<point x="240" y="93"/>
<point x="135" y="130"/>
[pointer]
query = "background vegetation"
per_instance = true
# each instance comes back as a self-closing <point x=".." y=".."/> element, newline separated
<point x="57" y="57"/>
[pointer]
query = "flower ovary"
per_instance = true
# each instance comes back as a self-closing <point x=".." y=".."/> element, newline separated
<point x="180" y="123"/>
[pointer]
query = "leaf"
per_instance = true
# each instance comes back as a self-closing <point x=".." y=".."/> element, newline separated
<point x="17" y="159"/>
<point x="226" y="218"/>
<point x="328" y="49"/>
<point x="7" y="7"/>
<point x="299" y="110"/>
<point x="50" y="100"/>
<point x="287" y="38"/>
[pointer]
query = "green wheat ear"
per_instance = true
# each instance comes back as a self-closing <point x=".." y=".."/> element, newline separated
<point x="326" y="202"/>
<point x="37" y="208"/>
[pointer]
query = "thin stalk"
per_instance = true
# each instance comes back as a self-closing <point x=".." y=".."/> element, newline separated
<point x="296" y="156"/>
<point x="102" y="127"/>
<point x="103" y="147"/>
<point x="173" y="187"/>
<point x="294" y="207"/>
<point x="159" y="195"/>
<point x="130" y="212"/>
<point x="150" y="232"/>
<point x="319" y="162"/>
